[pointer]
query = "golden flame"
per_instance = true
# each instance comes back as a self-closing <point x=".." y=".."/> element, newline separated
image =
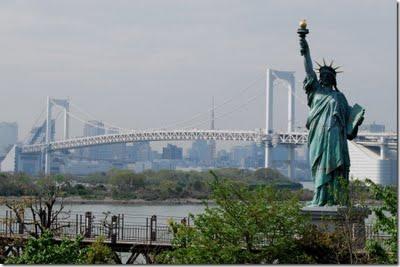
<point x="303" y="24"/>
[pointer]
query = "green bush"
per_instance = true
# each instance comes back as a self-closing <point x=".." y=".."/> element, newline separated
<point x="387" y="222"/>
<point x="149" y="185"/>
<point x="44" y="250"/>
<point x="99" y="253"/>
<point x="246" y="226"/>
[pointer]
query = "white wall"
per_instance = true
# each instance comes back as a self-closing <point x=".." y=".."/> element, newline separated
<point x="367" y="164"/>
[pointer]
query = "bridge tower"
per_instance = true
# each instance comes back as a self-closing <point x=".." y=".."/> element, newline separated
<point x="287" y="76"/>
<point x="64" y="103"/>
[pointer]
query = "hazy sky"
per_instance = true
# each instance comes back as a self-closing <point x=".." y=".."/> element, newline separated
<point x="149" y="64"/>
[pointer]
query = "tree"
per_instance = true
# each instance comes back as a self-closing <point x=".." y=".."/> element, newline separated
<point x="17" y="184"/>
<point x="246" y="226"/>
<point x="45" y="214"/>
<point x="126" y="180"/>
<point x="386" y="221"/>
<point x="99" y="253"/>
<point x="351" y="198"/>
<point x="44" y="250"/>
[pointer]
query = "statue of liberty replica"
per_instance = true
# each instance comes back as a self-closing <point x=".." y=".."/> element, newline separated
<point x="331" y="122"/>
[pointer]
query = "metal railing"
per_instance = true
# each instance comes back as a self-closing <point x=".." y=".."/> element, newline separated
<point x="115" y="229"/>
<point x="371" y="234"/>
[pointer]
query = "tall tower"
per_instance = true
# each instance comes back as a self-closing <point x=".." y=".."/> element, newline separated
<point x="212" y="115"/>
<point x="287" y="76"/>
<point x="212" y="143"/>
<point x="64" y="103"/>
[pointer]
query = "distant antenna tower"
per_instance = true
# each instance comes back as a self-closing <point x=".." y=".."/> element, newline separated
<point x="212" y="143"/>
<point x="212" y="115"/>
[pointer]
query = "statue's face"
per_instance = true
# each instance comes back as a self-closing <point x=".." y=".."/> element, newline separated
<point x="327" y="79"/>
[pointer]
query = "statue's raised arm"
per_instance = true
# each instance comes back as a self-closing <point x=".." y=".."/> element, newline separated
<point x="305" y="52"/>
<point x="305" y="49"/>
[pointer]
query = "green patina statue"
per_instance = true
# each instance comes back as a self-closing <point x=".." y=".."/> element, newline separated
<point x="331" y="122"/>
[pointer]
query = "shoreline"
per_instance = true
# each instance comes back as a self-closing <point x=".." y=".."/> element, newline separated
<point x="128" y="202"/>
<point x="133" y="202"/>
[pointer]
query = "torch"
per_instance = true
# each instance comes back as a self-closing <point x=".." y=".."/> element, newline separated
<point x="302" y="31"/>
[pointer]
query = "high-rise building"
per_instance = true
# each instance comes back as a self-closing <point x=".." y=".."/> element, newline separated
<point x="248" y="156"/>
<point x="93" y="128"/>
<point x="155" y="155"/>
<point x="8" y="136"/>
<point x="172" y="152"/>
<point x="199" y="153"/>
<point x="114" y="151"/>
<point x="139" y="151"/>
<point x="223" y="159"/>
<point x="240" y="154"/>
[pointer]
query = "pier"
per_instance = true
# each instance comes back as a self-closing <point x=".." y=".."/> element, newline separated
<point x="147" y="239"/>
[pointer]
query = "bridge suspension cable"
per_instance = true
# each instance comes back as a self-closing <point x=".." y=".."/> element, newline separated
<point x="82" y="120"/>
<point x="248" y="101"/>
<point x="244" y="105"/>
<point x="111" y="126"/>
<point x="299" y="99"/>
<point x="34" y="124"/>
<point x="90" y="123"/>
<point x="246" y="88"/>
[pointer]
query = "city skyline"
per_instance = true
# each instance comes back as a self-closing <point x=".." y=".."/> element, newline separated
<point x="158" y="63"/>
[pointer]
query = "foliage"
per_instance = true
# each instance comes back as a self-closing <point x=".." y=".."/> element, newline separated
<point x="386" y="221"/>
<point x="324" y="247"/>
<point x="42" y="206"/>
<point x="99" y="253"/>
<point x="246" y="226"/>
<point x="126" y="180"/>
<point x="44" y="250"/>
<point x="16" y="185"/>
<point x="264" y="225"/>
<point x="351" y="197"/>
<point x="149" y="185"/>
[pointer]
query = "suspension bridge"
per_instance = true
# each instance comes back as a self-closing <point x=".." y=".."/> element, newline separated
<point x="42" y="144"/>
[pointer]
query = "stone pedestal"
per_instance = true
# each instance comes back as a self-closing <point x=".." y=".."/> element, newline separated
<point x="331" y="218"/>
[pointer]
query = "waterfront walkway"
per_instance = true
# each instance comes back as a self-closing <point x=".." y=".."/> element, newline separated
<point x="147" y="238"/>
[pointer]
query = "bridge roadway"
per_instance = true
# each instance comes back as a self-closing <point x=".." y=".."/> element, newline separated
<point x="296" y="138"/>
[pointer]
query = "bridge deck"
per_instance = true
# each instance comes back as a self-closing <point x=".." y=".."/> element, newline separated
<point x="294" y="138"/>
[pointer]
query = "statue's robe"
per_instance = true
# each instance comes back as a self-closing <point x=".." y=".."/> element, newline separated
<point x="327" y="140"/>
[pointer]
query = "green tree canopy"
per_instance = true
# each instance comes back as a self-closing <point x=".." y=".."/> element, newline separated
<point x="44" y="250"/>
<point x="387" y="222"/>
<point x="246" y="226"/>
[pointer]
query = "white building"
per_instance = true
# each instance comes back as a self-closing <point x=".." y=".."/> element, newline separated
<point x="366" y="163"/>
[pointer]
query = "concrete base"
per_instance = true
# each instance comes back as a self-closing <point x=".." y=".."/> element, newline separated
<point x="331" y="218"/>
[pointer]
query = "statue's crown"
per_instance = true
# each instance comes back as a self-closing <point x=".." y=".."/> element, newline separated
<point x="327" y="68"/>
